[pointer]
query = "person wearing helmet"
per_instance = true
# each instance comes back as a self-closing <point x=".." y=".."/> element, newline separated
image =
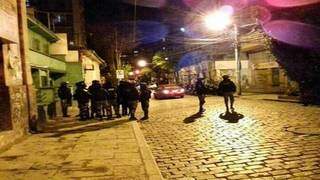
<point x="82" y="96"/>
<point x="145" y="95"/>
<point x="64" y="93"/>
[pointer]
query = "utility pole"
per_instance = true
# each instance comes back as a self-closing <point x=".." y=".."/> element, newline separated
<point x="237" y="57"/>
<point x="117" y="51"/>
<point x="134" y="21"/>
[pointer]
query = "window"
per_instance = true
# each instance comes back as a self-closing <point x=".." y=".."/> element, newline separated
<point x="5" y="122"/>
<point x="28" y="3"/>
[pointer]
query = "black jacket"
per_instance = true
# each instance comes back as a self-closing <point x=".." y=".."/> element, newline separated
<point x="132" y="94"/>
<point x="64" y="92"/>
<point x="121" y="92"/>
<point x="226" y="86"/>
<point x="145" y="94"/>
<point x="98" y="93"/>
<point x="112" y="91"/>
<point x="200" y="88"/>
<point x="81" y="95"/>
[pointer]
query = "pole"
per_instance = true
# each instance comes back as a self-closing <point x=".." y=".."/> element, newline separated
<point x="117" y="50"/>
<point x="237" y="58"/>
<point x="134" y="21"/>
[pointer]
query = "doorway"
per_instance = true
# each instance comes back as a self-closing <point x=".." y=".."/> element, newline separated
<point x="5" y="120"/>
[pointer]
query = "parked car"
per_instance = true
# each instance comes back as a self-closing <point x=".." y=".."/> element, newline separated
<point x="169" y="91"/>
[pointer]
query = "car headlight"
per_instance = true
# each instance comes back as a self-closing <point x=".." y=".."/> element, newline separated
<point x="165" y="91"/>
<point x="182" y="90"/>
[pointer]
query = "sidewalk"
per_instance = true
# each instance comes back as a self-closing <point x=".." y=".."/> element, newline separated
<point x="70" y="149"/>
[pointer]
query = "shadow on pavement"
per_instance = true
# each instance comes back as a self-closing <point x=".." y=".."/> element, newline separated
<point x="94" y="126"/>
<point x="233" y="117"/>
<point x="192" y="118"/>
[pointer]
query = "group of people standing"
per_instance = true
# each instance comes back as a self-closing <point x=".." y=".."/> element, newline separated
<point x="106" y="100"/>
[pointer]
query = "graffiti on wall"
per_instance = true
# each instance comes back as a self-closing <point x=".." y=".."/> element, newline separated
<point x="18" y="105"/>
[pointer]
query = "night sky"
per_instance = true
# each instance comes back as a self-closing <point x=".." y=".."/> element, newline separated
<point x="153" y="23"/>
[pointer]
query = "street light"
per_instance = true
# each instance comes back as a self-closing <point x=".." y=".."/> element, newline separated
<point x="220" y="20"/>
<point x="142" y="63"/>
<point x="137" y="72"/>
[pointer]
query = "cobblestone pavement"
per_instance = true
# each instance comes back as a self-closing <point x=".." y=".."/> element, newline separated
<point x="274" y="140"/>
<point x="87" y="150"/>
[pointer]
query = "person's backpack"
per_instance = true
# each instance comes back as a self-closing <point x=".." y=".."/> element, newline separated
<point x="112" y="93"/>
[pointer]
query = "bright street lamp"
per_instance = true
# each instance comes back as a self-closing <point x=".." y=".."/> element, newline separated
<point x="142" y="63"/>
<point x="220" y="20"/>
<point x="137" y="72"/>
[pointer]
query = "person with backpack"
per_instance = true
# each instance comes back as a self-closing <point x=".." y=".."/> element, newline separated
<point x="82" y="96"/>
<point x="122" y="96"/>
<point x="200" y="90"/>
<point x="227" y="88"/>
<point x="64" y="93"/>
<point x="145" y="95"/>
<point x="98" y="99"/>
<point x="112" y="100"/>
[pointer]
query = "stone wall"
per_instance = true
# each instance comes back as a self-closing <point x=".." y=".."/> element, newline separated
<point x="16" y="101"/>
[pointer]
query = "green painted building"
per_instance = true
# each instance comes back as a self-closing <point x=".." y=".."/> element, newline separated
<point x="48" y="70"/>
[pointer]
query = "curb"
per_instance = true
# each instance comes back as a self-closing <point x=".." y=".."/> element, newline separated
<point x="151" y="167"/>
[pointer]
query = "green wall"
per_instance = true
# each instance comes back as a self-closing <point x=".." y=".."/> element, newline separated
<point x="74" y="73"/>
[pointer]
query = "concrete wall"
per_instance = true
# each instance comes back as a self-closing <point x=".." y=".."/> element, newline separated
<point x="61" y="46"/>
<point x="266" y="74"/>
<point x="72" y="56"/>
<point x="91" y="70"/>
<point x="17" y="100"/>
<point x="74" y="73"/>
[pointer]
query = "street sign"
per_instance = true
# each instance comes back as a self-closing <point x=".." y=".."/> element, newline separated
<point x="120" y="74"/>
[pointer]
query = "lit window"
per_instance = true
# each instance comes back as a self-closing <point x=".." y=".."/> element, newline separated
<point x="28" y="3"/>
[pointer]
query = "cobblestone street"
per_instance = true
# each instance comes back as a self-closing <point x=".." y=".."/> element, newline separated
<point x="274" y="140"/>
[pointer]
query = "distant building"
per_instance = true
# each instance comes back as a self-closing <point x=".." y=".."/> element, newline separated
<point x="260" y="71"/>
<point x="63" y="16"/>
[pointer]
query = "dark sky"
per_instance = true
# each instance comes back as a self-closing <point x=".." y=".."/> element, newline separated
<point x="100" y="13"/>
<point x="106" y="11"/>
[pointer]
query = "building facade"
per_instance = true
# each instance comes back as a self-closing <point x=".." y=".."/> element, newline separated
<point x="17" y="101"/>
<point x="47" y="53"/>
<point x="61" y="16"/>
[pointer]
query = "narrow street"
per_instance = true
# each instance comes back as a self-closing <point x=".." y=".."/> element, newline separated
<point x="274" y="140"/>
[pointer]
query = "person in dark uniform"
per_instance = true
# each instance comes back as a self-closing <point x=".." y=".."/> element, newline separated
<point x="98" y="99"/>
<point x="82" y="96"/>
<point x="112" y="100"/>
<point x="123" y="97"/>
<point x="64" y="93"/>
<point x="133" y="98"/>
<point x="227" y="88"/>
<point x="145" y="95"/>
<point x="201" y="93"/>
